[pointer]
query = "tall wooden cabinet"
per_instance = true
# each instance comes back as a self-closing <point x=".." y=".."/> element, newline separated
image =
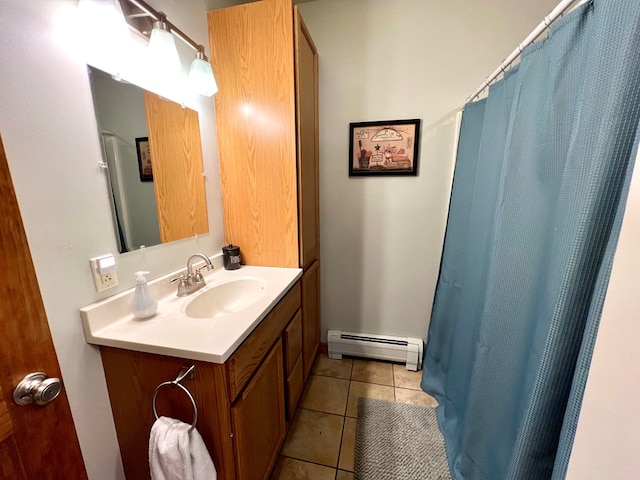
<point x="266" y="67"/>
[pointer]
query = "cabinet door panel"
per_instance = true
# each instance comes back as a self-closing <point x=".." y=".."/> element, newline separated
<point x="258" y="419"/>
<point x="293" y="342"/>
<point x="295" y="385"/>
<point x="310" y="316"/>
<point x="307" y="136"/>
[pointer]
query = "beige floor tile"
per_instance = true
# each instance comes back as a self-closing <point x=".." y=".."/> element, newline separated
<point x="415" y="397"/>
<point x="326" y="394"/>
<point x="342" y="475"/>
<point x="369" y="390"/>
<point x="372" y="372"/>
<point x="404" y="378"/>
<point x="292" y="469"/>
<point x="333" y="368"/>
<point x="314" y="437"/>
<point x="348" y="444"/>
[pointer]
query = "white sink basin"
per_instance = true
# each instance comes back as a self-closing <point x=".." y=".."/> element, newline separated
<point x="226" y="298"/>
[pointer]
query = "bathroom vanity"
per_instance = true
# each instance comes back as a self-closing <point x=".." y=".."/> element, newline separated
<point x="250" y="365"/>
<point x="248" y="374"/>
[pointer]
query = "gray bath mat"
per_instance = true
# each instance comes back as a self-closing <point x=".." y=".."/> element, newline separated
<point x="398" y="441"/>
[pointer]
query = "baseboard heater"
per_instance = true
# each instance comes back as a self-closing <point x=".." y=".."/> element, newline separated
<point x="381" y="347"/>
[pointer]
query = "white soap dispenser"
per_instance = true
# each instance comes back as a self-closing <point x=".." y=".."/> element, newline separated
<point x="144" y="303"/>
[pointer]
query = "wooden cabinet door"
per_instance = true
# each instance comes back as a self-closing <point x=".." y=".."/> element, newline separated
<point x="306" y="57"/>
<point x="258" y="419"/>
<point x="292" y="342"/>
<point x="253" y="61"/>
<point x="35" y="441"/>
<point x="310" y="316"/>
<point x="176" y="158"/>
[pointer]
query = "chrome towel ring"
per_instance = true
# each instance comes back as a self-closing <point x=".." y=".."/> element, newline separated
<point x="184" y="373"/>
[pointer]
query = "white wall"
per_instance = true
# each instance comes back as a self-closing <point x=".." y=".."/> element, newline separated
<point x="50" y="135"/>
<point x="608" y="434"/>
<point x="381" y="238"/>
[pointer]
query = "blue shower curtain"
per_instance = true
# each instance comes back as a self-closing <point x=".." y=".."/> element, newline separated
<point x="539" y="190"/>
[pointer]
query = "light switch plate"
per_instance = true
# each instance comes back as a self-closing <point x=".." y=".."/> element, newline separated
<point x="105" y="280"/>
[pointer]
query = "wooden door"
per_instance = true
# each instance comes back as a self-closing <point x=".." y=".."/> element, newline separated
<point x="310" y="316"/>
<point x="258" y="419"/>
<point x="307" y="125"/>
<point x="35" y="441"/>
<point x="176" y="158"/>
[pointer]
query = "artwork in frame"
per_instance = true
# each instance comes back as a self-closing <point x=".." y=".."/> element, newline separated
<point x="144" y="159"/>
<point x="387" y="147"/>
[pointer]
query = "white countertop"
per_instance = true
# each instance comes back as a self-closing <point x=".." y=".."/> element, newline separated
<point x="171" y="332"/>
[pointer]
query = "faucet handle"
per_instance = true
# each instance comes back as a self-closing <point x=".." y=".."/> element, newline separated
<point x="182" y="285"/>
<point x="198" y="276"/>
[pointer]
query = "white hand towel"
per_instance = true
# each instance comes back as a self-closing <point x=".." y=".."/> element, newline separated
<point x="176" y="454"/>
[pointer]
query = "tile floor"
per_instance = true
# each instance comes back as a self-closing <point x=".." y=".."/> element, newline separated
<point x="320" y="442"/>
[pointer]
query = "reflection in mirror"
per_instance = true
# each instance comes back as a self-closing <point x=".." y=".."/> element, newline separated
<point x="152" y="150"/>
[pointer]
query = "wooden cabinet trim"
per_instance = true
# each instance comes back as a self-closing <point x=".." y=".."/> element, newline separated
<point x="307" y="133"/>
<point x="250" y="353"/>
<point x="293" y="341"/>
<point x="310" y="284"/>
<point x="295" y="386"/>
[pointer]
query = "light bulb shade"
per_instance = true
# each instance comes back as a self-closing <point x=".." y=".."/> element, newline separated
<point x="104" y="35"/>
<point x="201" y="79"/>
<point x="164" y="61"/>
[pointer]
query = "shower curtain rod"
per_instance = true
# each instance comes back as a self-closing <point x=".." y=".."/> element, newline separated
<point x="544" y="24"/>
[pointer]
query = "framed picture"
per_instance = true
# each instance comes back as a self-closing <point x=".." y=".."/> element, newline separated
<point x="388" y="147"/>
<point x="144" y="159"/>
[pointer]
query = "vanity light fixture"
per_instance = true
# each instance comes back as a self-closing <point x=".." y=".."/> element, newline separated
<point x="201" y="77"/>
<point x="164" y="60"/>
<point x="163" y="51"/>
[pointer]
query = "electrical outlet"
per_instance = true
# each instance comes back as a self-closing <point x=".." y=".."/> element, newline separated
<point x="103" y="270"/>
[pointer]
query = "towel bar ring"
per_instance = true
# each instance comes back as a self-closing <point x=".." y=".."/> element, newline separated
<point x="186" y="372"/>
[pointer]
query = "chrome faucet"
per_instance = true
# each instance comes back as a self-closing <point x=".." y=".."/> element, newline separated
<point x="194" y="281"/>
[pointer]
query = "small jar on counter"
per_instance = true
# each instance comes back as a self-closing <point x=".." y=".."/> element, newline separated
<point x="231" y="257"/>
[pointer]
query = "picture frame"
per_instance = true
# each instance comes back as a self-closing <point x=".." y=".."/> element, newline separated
<point x="144" y="159"/>
<point x="384" y="148"/>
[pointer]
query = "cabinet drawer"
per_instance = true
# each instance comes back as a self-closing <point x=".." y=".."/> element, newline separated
<point x="295" y="385"/>
<point x="293" y="341"/>
<point x="248" y="356"/>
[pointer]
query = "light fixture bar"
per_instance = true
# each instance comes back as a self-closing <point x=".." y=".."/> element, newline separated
<point x="156" y="15"/>
<point x="163" y="50"/>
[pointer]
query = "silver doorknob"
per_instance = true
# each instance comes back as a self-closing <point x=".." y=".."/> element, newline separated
<point x="37" y="387"/>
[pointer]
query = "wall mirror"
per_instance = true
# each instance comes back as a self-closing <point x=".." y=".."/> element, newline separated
<point x="153" y="156"/>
